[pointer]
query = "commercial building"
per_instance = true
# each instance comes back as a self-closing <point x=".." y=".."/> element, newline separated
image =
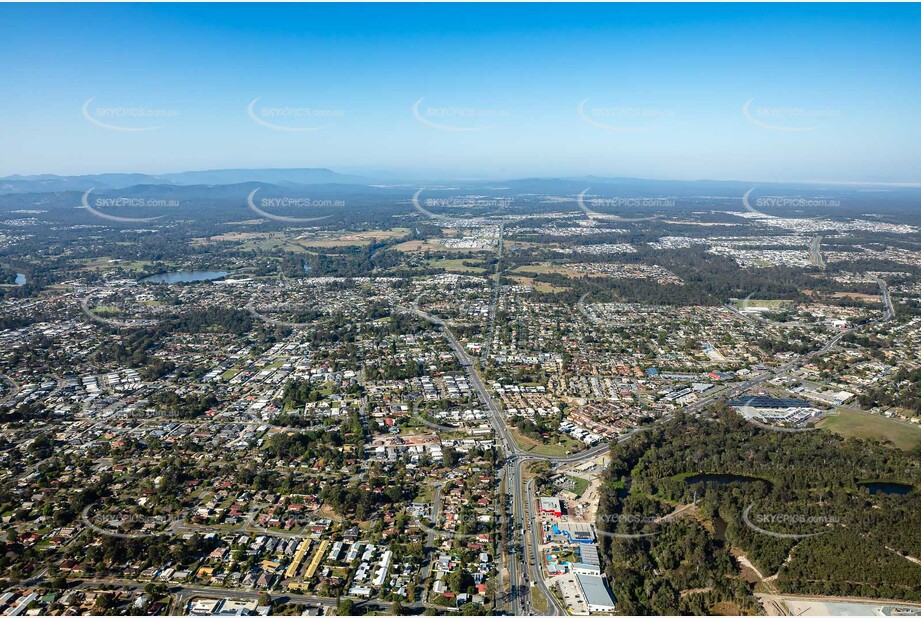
<point x="582" y="568"/>
<point x="596" y="593"/>
<point x="227" y="607"/>
<point x="575" y="532"/>
<point x="588" y="553"/>
<point x="552" y="506"/>
<point x="767" y="402"/>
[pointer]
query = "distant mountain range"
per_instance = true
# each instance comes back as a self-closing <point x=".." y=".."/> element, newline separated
<point x="49" y="183"/>
<point x="328" y="184"/>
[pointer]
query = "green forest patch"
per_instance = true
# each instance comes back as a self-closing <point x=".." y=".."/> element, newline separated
<point x="790" y="502"/>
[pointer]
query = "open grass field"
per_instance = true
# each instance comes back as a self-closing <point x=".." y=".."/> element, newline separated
<point x="331" y="243"/>
<point x="107" y="263"/>
<point x="106" y="311"/>
<point x="539" y="601"/>
<point x="867" y="298"/>
<point x="544" y="268"/>
<point x="275" y="243"/>
<point x="539" y="286"/>
<point x="267" y="241"/>
<point x="256" y="241"/>
<point x="351" y="239"/>
<point x="548" y="268"/>
<point x="421" y="246"/>
<point x="237" y="236"/>
<point x="524" y="244"/>
<point x="852" y="424"/>
<point x="455" y="266"/>
<point x="538" y="448"/>
<point x="230" y="373"/>
<point x="757" y="302"/>
<point x="413" y="246"/>
<point x="581" y="484"/>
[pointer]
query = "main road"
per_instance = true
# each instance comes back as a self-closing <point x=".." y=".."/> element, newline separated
<point x="815" y="252"/>
<point x="518" y="496"/>
<point x="494" y="305"/>
<point x="888" y="309"/>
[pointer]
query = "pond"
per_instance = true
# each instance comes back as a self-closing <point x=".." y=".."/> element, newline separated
<point x="20" y="279"/>
<point x="886" y="487"/>
<point x="186" y="276"/>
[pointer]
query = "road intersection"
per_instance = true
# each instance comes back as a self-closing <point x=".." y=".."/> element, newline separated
<point x="518" y="492"/>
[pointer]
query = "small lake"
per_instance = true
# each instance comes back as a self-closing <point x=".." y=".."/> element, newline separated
<point x="724" y="479"/>
<point x="886" y="487"/>
<point x="186" y="276"/>
<point x="20" y="279"/>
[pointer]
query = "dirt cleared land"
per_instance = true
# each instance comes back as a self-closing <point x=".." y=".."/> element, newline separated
<point x="420" y="246"/>
<point x="354" y="239"/>
<point x="770" y="304"/>
<point x="545" y="268"/>
<point x="238" y="236"/>
<point x="795" y="605"/>
<point x="538" y="286"/>
<point x="867" y="298"/>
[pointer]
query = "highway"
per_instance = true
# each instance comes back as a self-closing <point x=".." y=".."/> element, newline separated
<point x="533" y="547"/>
<point x="430" y="534"/>
<point x="888" y="309"/>
<point x="815" y="252"/>
<point x="518" y="497"/>
<point x="494" y="305"/>
<point x="12" y="386"/>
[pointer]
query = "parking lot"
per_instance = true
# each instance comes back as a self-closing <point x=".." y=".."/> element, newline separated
<point x="572" y="594"/>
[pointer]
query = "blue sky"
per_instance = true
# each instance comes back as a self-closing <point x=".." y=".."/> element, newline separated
<point x="833" y="90"/>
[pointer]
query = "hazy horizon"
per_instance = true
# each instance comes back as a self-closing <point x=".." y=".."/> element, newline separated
<point x="782" y="93"/>
<point x="397" y="177"/>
